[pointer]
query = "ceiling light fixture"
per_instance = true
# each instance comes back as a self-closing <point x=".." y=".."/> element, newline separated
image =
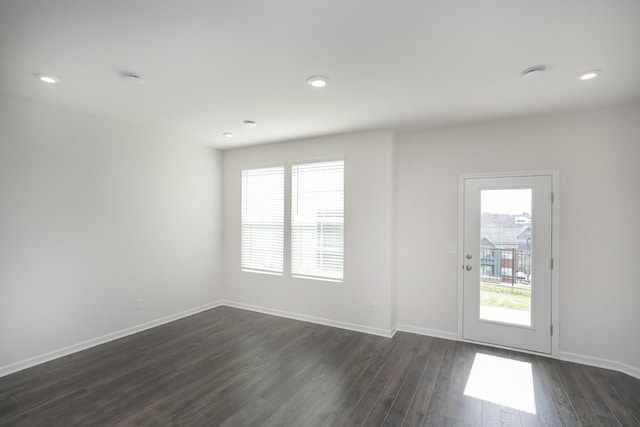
<point x="588" y="75"/>
<point x="133" y="79"/>
<point x="227" y="135"/>
<point x="318" y="81"/>
<point x="250" y="123"/>
<point x="533" y="72"/>
<point x="47" y="78"/>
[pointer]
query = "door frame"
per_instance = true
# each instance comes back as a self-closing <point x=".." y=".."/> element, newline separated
<point x="555" y="250"/>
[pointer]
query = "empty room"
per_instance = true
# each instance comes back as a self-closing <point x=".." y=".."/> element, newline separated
<point x="299" y="213"/>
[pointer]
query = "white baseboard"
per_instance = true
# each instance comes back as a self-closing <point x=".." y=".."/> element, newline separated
<point x="428" y="332"/>
<point x="561" y="355"/>
<point x="599" y="363"/>
<point x="394" y="329"/>
<point x="55" y="354"/>
<point x="36" y="360"/>
<point x="387" y="333"/>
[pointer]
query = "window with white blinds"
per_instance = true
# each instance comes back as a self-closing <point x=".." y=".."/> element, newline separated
<point x="262" y="240"/>
<point x="317" y="219"/>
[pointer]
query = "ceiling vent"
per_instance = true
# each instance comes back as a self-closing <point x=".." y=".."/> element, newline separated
<point x="133" y="79"/>
<point x="533" y="72"/>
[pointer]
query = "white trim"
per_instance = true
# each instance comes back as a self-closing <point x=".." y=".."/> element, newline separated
<point x="394" y="329"/>
<point x="65" y="351"/>
<point x="519" y="350"/>
<point x="555" y="246"/>
<point x="508" y="174"/>
<point x="599" y="363"/>
<point x="460" y="256"/>
<point x="386" y="333"/>
<point x="452" y="336"/>
<point x="555" y="254"/>
<point x="561" y="355"/>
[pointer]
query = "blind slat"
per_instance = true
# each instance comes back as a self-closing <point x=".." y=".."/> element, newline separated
<point x="317" y="219"/>
<point x="262" y="224"/>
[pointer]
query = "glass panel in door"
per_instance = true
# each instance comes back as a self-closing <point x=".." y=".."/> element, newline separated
<point x="505" y="256"/>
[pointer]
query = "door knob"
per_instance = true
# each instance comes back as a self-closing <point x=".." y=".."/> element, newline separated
<point x="469" y="256"/>
<point x="468" y="267"/>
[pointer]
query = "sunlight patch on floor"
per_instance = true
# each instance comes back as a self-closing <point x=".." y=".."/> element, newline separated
<point x="502" y="381"/>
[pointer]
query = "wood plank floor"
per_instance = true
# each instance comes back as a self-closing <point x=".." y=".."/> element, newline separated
<point x="231" y="367"/>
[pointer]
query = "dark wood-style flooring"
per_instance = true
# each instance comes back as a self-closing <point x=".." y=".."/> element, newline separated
<point x="233" y="367"/>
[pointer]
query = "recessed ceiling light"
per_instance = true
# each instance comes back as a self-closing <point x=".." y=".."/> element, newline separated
<point x="318" y="81"/>
<point x="533" y="72"/>
<point x="47" y="78"/>
<point x="250" y="123"/>
<point x="588" y="75"/>
<point x="133" y="79"/>
<point x="227" y="135"/>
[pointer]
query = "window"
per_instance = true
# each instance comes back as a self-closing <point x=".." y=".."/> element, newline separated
<point x="317" y="219"/>
<point x="507" y="254"/>
<point x="262" y="227"/>
<point x="316" y="225"/>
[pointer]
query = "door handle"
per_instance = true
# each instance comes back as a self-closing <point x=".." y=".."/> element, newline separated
<point x="468" y="267"/>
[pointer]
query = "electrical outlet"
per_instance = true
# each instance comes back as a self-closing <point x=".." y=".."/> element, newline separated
<point x="372" y="307"/>
<point x="139" y="304"/>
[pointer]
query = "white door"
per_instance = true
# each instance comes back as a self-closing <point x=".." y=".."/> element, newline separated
<point x="507" y="261"/>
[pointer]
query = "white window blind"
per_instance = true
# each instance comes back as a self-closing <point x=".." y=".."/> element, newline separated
<point x="317" y="219"/>
<point x="262" y="240"/>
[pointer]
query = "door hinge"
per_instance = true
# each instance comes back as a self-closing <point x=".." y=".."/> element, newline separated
<point x="551" y="330"/>
<point x="552" y="198"/>
<point x="552" y="263"/>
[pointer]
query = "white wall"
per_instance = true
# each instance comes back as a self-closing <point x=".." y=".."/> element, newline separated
<point x="92" y="216"/>
<point x="598" y="156"/>
<point x="368" y="273"/>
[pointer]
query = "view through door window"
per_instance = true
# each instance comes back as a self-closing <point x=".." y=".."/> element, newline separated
<point x="505" y="256"/>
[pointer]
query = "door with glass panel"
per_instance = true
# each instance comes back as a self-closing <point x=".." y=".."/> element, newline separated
<point x="506" y="261"/>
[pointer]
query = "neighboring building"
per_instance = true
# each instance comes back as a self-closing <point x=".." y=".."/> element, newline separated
<point x="506" y="254"/>
<point x="524" y="238"/>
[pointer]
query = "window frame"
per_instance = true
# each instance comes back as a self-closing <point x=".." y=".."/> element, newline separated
<point x="290" y="166"/>
<point x="287" y="269"/>
<point x="253" y="269"/>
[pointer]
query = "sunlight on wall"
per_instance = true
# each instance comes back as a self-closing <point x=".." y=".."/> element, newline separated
<point x="502" y="381"/>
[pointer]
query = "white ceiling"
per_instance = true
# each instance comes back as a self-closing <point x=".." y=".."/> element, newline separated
<point x="210" y="64"/>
